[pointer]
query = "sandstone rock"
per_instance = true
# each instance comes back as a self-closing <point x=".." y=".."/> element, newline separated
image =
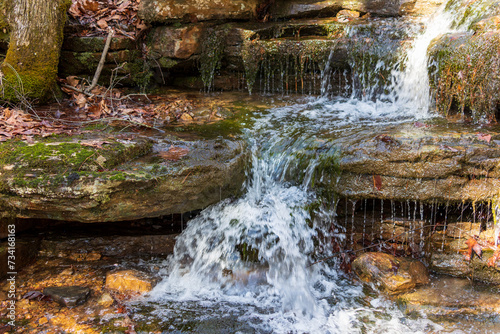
<point x="453" y="54"/>
<point x="490" y="23"/>
<point x="450" y="297"/>
<point x="393" y="274"/>
<point x="348" y="14"/>
<point x="385" y="8"/>
<point x="160" y="11"/>
<point x="305" y="8"/>
<point x="309" y="8"/>
<point x="73" y="189"/>
<point x="68" y="295"/>
<point x="415" y="163"/>
<point x="105" y="300"/>
<point x="129" y="281"/>
<point x="171" y="42"/>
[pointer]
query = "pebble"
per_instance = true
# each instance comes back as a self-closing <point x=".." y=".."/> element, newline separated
<point x="106" y="300"/>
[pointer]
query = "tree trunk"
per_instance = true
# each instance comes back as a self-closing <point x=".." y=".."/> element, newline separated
<point x="30" y="66"/>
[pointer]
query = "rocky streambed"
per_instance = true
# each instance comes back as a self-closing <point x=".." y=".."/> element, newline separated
<point x="98" y="205"/>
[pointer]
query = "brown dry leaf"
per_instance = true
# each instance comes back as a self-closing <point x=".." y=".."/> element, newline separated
<point x="377" y="182"/>
<point x="102" y="24"/>
<point x="81" y="100"/>
<point x="104" y="107"/>
<point x="95" y="111"/>
<point x="174" y="153"/>
<point x="73" y="80"/>
<point x="472" y="245"/>
<point x="492" y="260"/>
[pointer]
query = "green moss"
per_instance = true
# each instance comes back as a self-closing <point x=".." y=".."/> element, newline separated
<point x="30" y="69"/>
<point x="463" y="75"/>
<point x="87" y="59"/>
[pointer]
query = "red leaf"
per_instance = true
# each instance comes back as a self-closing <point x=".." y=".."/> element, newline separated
<point x="377" y="182"/>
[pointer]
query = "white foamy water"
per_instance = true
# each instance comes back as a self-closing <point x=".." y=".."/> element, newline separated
<point x="209" y="278"/>
<point x="244" y="265"/>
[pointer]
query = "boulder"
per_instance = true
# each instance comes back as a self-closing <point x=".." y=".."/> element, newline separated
<point x="129" y="281"/>
<point x="393" y="274"/>
<point x="172" y="42"/>
<point x="100" y="179"/>
<point x="161" y="11"/>
<point x="448" y="297"/>
<point x="68" y="295"/>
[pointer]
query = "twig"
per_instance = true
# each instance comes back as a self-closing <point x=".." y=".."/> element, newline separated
<point x="77" y="90"/>
<point x="186" y="177"/>
<point x="101" y="62"/>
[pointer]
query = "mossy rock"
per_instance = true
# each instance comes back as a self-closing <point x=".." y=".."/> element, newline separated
<point x="67" y="180"/>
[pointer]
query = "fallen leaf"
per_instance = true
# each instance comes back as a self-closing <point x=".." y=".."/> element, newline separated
<point x="102" y="24"/>
<point x="174" y="153"/>
<point x="377" y="182"/>
<point x="473" y="246"/>
<point x="73" y="80"/>
<point x="484" y="137"/>
<point x="81" y="100"/>
<point x="492" y="260"/>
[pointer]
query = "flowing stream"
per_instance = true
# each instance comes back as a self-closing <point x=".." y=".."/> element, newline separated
<point x="246" y="265"/>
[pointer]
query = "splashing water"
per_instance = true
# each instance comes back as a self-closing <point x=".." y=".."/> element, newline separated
<point x="249" y="260"/>
<point x="244" y="265"/>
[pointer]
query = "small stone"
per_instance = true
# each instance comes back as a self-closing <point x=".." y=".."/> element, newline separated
<point x="67" y="272"/>
<point x="348" y="14"/>
<point x="186" y="118"/>
<point x="129" y="281"/>
<point x="42" y="320"/>
<point x="393" y="274"/>
<point x="106" y="300"/>
<point x="68" y="295"/>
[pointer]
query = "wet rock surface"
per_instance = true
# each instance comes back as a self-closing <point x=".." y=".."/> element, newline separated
<point x="458" y="303"/>
<point x="393" y="274"/>
<point x="423" y="162"/>
<point x="89" y="184"/>
<point x="132" y="281"/>
<point x="68" y="295"/>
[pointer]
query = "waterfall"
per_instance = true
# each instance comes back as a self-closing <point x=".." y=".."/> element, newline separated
<point x="247" y="263"/>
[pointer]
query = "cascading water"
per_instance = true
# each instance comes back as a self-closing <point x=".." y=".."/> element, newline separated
<point x="244" y="265"/>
